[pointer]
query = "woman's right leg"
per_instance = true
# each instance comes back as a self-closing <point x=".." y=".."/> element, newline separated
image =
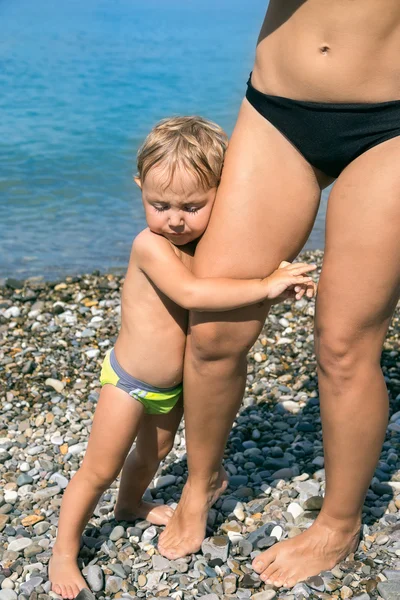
<point x="115" y="426"/>
<point x="265" y="209"/>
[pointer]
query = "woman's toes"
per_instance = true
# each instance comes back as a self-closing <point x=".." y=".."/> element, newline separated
<point x="267" y="574"/>
<point x="262" y="562"/>
<point x="278" y="579"/>
<point x="290" y="582"/>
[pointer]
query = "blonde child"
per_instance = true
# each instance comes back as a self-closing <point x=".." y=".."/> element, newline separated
<point x="179" y="168"/>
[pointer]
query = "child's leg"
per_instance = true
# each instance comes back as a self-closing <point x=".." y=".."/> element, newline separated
<point x="114" y="429"/>
<point x="154" y="441"/>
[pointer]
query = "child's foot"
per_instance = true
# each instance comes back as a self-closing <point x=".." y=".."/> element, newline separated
<point x="66" y="579"/>
<point x="157" y="514"/>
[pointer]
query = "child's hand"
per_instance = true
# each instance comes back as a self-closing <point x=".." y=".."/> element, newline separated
<point x="289" y="280"/>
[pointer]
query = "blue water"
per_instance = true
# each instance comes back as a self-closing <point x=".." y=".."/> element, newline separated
<point x="81" y="84"/>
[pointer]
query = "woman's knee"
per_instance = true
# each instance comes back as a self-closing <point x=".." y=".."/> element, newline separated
<point x="218" y="340"/>
<point x="344" y="351"/>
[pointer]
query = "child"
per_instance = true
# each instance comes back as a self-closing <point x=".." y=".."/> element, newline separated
<point x="179" y="168"/>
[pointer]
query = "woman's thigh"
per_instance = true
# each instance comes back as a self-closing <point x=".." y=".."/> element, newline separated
<point x="360" y="280"/>
<point x="264" y="211"/>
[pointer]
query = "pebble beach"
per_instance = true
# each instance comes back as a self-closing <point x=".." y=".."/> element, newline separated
<point x="53" y="337"/>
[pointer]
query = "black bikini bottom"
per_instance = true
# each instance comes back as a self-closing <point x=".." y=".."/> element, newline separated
<point x="329" y="136"/>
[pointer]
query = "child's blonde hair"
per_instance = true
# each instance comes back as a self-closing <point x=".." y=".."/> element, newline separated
<point x="195" y="143"/>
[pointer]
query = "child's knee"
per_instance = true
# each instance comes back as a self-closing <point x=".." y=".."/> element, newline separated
<point x="165" y="446"/>
<point x="99" y="477"/>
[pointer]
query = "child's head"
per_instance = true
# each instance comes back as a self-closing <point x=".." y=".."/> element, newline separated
<point x="179" y="169"/>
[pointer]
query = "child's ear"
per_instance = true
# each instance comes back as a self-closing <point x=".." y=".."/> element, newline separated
<point x="138" y="181"/>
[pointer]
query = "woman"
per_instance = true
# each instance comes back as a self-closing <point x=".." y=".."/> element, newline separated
<point x="323" y="104"/>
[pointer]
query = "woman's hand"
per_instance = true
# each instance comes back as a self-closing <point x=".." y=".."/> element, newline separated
<point x="290" y="281"/>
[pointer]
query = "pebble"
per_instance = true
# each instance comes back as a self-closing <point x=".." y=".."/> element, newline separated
<point x="19" y="544"/>
<point x="388" y="590"/>
<point x="216" y="547"/>
<point x="117" y="533"/>
<point x="8" y="595"/>
<point x="57" y="385"/>
<point x="95" y="578"/>
<point x="113" y="584"/>
<point x="265" y="595"/>
<point x="160" y="563"/>
<point x="164" y="481"/>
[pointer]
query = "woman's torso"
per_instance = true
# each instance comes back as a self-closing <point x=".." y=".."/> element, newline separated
<point x="330" y="50"/>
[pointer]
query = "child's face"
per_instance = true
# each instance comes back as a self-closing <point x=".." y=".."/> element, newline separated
<point x="179" y="212"/>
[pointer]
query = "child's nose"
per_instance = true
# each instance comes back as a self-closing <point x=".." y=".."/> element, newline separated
<point x="176" y="220"/>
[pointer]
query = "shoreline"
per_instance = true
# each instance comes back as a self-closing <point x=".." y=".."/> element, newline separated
<point x="53" y="336"/>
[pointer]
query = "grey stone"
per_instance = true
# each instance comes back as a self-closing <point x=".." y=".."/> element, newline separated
<point x="57" y="385"/>
<point x="46" y="493"/>
<point x="392" y="575"/>
<point x="19" y="544"/>
<point x="264" y="595"/>
<point x="8" y="595"/>
<point x="164" y="481"/>
<point x="230" y="584"/>
<point x="229" y="505"/>
<point x="236" y="481"/>
<point x="113" y="584"/>
<point x="85" y="594"/>
<point x="118" y="570"/>
<point x="28" y="586"/>
<point x="389" y="590"/>
<point x="60" y="480"/>
<point x="301" y="589"/>
<point x="153" y="579"/>
<point x="117" y="533"/>
<point x="160" y="563"/>
<point x="24" y="479"/>
<point x="245" y="547"/>
<point x="285" y="473"/>
<point x="266" y="542"/>
<point x="216" y="547"/>
<point x="259" y="533"/>
<point x="316" y="583"/>
<point x="41" y="527"/>
<point x="149" y="534"/>
<point x="32" y="550"/>
<point x="95" y="578"/>
<point x="313" y="503"/>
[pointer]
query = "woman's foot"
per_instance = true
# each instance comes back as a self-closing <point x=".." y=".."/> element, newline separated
<point x="319" y="548"/>
<point x="157" y="514"/>
<point x="65" y="576"/>
<point x="185" y="532"/>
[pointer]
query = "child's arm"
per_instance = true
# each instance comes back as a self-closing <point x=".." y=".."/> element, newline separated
<point x="158" y="261"/>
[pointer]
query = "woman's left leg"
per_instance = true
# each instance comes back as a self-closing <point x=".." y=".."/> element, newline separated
<point x="358" y="292"/>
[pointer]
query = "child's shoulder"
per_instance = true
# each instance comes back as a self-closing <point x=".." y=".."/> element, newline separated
<point x="149" y="247"/>
<point x="146" y="241"/>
